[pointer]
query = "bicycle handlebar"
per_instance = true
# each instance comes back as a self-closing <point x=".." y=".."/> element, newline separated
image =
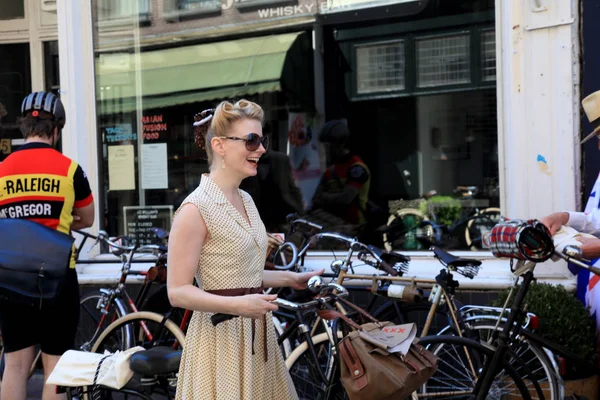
<point x="579" y="262"/>
<point x="336" y="236"/>
<point x="292" y="262"/>
<point x="103" y="236"/>
<point x="297" y="221"/>
<point x="356" y="245"/>
<point x="217" y="318"/>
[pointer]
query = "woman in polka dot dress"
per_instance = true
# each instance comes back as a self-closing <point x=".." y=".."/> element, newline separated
<point x="218" y="237"/>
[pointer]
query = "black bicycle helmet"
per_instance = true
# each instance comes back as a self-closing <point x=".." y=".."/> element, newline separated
<point x="47" y="102"/>
<point x="335" y="131"/>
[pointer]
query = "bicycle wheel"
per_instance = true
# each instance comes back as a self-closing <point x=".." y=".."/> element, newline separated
<point x="461" y="363"/>
<point x="91" y="323"/>
<point x="405" y="220"/>
<point x="162" y="333"/>
<point x="402" y="313"/>
<point x="530" y="359"/>
<point x="304" y="370"/>
<point x="479" y="225"/>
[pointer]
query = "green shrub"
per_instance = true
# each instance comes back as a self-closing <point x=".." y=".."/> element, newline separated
<point x="447" y="209"/>
<point x="563" y="319"/>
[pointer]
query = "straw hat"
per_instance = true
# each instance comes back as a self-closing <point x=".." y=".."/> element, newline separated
<point x="591" y="106"/>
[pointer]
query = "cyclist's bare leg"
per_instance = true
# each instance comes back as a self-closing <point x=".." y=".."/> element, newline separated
<point x="49" y="392"/>
<point x="16" y="374"/>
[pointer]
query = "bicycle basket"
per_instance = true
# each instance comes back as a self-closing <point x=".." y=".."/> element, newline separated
<point x="522" y="240"/>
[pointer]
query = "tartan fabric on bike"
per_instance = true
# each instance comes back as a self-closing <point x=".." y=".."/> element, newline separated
<point x="522" y="240"/>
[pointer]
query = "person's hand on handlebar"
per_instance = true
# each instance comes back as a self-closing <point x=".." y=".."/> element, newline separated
<point x="555" y="221"/>
<point x="274" y="242"/>
<point x="590" y="247"/>
<point x="300" y="280"/>
<point x="255" y="305"/>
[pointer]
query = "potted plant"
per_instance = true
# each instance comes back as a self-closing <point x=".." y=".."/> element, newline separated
<point x="564" y="320"/>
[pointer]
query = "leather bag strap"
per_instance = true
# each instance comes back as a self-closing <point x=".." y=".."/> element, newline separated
<point x="357" y="370"/>
<point x="359" y="310"/>
<point x="332" y="314"/>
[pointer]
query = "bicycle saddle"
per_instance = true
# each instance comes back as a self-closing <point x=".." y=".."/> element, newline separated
<point x="453" y="261"/>
<point x="390" y="257"/>
<point x="160" y="360"/>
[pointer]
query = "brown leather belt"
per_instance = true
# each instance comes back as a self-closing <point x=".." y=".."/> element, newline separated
<point x="243" y="292"/>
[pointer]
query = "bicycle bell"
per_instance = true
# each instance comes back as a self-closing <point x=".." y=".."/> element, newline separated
<point x="315" y="284"/>
<point x="336" y="266"/>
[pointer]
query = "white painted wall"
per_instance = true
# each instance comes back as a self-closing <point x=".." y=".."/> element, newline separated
<point x="538" y="106"/>
<point x="538" y="109"/>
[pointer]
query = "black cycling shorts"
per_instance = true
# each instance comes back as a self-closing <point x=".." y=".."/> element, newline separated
<point x="53" y="327"/>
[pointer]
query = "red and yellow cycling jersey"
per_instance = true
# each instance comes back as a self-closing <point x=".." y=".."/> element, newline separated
<point x="38" y="183"/>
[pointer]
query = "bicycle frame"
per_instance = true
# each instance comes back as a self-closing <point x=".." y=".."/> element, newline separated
<point x="328" y="376"/>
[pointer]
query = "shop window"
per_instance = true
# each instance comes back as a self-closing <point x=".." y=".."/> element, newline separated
<point x="146" y="100"/>
<point x="488" y="55"/>
<point x="196" y="5"/>
<point x="111" y="10"/>
<point x="52" y="66"/>
<point x="443" y="61"/>
<point x="380" y="67"/>
<point x="12" y="9"/>
<point x="175" y="10"/>
<point x="15" y="84"/>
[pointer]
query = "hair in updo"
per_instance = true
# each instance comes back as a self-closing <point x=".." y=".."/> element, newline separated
<point x="217" y="122"/>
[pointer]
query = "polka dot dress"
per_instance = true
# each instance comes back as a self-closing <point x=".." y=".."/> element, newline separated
<point x="217" y="362"/>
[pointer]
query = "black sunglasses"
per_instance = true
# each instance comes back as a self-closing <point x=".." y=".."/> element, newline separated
<point x="253" y="141"/>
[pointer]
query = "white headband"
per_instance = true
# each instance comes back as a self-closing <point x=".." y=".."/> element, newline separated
<point x="203" y="121"/>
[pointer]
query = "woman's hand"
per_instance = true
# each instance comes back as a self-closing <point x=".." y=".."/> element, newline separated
<point x="274" y="242"/>
<point x="255" y="305"/>
<point x="300" y="280"/>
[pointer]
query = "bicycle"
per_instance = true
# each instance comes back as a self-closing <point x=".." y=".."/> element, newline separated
<point x="462" y="321"/>
<point x="98" y="310"/>
<point x="506" y="337"/>
<point x="285" y="324"/>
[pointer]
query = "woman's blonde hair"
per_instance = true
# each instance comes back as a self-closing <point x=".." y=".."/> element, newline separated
<point x="217" y="122"/>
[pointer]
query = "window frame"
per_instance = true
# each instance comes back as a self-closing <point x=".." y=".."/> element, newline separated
<point x="13" y="27"/>
<point x="410" y="53"/>
<point x="380" y="43"/>
<point x="143" y="18"/>
<point x="448" y="34"/>
<point x="173" y="15"/>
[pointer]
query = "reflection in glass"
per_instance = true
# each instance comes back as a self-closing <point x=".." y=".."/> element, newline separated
<point x="15" y="84"/>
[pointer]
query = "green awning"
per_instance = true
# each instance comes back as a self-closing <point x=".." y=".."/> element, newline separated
<point x="191" y="73"/>
<point x="129" y="104"/>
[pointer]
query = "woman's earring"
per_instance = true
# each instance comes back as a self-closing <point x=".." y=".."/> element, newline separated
<point x="222" y="162"/>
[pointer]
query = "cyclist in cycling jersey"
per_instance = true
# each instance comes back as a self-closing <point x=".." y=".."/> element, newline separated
<point x="38" y="183"/>
<point x="344" y="187"/>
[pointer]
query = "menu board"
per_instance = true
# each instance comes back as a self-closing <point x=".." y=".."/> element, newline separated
<point x="139" y="221"/>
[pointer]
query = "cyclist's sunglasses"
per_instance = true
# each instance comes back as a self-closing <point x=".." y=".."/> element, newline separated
<point x="253" y="141"/>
